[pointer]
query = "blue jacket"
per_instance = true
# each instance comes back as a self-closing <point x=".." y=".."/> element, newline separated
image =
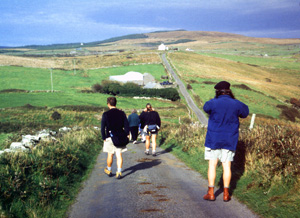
<point x="223" y="123"/>
<point x="133" y="120"/>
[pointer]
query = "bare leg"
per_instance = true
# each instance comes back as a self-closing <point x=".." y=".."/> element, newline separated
<point x="153" y="137"/>
<point x="119" y="159"/>
<point x="226" y="173"/>
<point x="147" y="142"/>
<point x="211" y="174"/>
<point x="109" y="159"/>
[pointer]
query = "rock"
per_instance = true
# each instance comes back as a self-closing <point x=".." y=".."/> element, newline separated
<point x="17" y="146"/>
<point x="64" y="129"/>
<point x="29" y="141"/>
<point x="8" y="150"/>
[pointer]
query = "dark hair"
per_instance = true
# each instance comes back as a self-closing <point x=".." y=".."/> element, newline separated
<point x="224" y="92"/>
<point x="150" y="108"/>
<point x="112" y="101"/>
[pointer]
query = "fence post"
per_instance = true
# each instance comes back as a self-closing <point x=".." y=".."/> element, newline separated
<point x="252" y="121"/>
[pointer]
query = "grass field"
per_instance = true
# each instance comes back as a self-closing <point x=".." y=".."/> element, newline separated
<point x="268" y="87"/>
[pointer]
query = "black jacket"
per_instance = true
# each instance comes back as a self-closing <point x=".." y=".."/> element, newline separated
<point x="114" y="119"/>
<point x="149" y="118"/>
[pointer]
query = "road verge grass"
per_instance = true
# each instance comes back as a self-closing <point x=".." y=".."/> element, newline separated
<point x="44" y="182"/>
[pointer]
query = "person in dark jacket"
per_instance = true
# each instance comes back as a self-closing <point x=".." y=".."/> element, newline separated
<point x="150" y="122"/>
<point x="222" y="135"/>
<point x="113" y="120"/>
<point x="134" y="122"/>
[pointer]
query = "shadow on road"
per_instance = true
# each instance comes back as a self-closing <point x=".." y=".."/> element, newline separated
<point x="145" y="164"/>
<point x="237" y="168"/>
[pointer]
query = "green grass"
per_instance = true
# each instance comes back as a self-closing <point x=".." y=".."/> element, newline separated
<point x="67" y="84"/>
<point x="39" y="78"/>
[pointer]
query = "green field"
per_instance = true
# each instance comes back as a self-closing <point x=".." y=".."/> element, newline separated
<point x="66" y="84"/>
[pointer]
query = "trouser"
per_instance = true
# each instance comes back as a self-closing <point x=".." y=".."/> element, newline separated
<point x="134" y="132"/>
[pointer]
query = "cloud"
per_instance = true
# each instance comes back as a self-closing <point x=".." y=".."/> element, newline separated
<point x="271" y="33"/>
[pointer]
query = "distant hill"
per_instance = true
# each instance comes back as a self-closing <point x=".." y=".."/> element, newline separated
<point x="153" y="39"/>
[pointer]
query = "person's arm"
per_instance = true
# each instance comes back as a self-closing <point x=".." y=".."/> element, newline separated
<point x="207" y="107"/>
<point x="244" y="111"/>
<point x="103" y="126"/>
<point x="158" y="120"/>
<point x="126" y="125"/>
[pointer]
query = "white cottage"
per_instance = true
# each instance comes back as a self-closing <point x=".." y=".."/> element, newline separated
<point x="162" y="47"/>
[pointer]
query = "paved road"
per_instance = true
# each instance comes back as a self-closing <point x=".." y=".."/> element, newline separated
<point x="160" y="186"/>
<point x="185" y="93"/>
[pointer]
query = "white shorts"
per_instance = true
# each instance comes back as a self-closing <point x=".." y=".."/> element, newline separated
<point x="223" y="155"/>
<point x="109" y="147"/>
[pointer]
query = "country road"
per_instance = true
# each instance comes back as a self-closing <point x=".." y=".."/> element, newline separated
<point x="160" y="186"/>
<point x="200" y="115"/>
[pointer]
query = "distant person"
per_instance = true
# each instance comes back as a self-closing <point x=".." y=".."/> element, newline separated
<point x="134" y="122"/>
<point x="222" y="135"/>
<point x="150" y="122"/>
<point x="113" y="120"/>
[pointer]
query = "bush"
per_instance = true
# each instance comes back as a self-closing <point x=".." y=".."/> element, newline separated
<point x="188" y="86"/>
<point x="56" y="115"/>
<point x="132" y="89"/>
<point x="97" y="88"/>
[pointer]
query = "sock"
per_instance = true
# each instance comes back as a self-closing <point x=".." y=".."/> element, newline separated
<point x="109" y="168"/>
<point x="119" y="170"/>
<point x="153" y="151"/>
<point x="147" y="149"/>
<point x="211" y="186"/>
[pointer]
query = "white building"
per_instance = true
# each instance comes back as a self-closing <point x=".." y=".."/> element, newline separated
<point x="162" y="47"/>
<point x="135" y="77"/>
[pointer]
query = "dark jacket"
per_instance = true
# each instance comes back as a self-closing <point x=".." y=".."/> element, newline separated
<point x="223" y="123"/>
<point x="114" y="119"/>
<point x="133" y="120"/>
<point x="149" y="118"/>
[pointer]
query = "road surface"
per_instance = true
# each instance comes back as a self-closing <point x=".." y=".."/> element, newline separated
<point x="160" y="186"/>
<point x="185" y="93"/>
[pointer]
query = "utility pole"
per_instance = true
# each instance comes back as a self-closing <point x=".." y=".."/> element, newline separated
<point x="74" y="66"/>
<point x="51" y="80"/>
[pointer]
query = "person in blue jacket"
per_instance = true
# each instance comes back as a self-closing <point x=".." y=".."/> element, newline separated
<point x="222" y="135"/>
<point x="134" y="122"/>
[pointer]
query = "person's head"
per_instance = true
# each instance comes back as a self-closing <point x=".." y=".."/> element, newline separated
<point x="112" y="101"/>
<point x="223" y="88"/>
<point x="133" y="111"/>
<point x="148" y="107"/>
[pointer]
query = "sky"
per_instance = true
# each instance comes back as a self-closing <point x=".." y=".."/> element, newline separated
<point x="44" y="22"/>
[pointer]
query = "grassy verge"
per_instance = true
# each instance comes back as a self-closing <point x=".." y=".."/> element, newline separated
<point x="44" y="182"/>
<point x="265" y="169"/>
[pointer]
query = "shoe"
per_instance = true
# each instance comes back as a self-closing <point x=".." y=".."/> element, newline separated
<point x="153" y="154"/>
<point x="210" y="196"/>
<point x="226" y="196"/>
<point x="107" y="172"/>
<point x="118" y="175"/>
<point x="143" y="141"/>
<point x="134" y="142"/>
<point x="147" y="152"/>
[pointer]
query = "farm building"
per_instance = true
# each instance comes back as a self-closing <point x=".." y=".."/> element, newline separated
<point x="162" y="47"/>
<point x="135" y="77"/>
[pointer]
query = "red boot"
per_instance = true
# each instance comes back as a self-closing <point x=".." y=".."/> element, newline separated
<point x="226" y="196"/>
<point x="210" y="196"/>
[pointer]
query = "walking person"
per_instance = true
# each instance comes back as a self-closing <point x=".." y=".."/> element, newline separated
<point x="222" y="135"/>
<point x="134" y="122"/>
<point x="113" y="120"/>
<point x="150" y="122"/>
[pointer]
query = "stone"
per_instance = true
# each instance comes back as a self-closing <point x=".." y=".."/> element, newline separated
<point x="17" y="146"/>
